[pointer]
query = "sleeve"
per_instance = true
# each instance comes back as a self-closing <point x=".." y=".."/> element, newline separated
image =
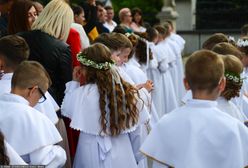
<point x="74" y="42"/>
<point x="163" y="66"/>
<point x="65" y="71"/>
<point x="51" y="156"/>
<point x="136" y="140"/>
<point x="66" y="107"/>
<point x="14" y="158"/>
<point x="91" y="20"/>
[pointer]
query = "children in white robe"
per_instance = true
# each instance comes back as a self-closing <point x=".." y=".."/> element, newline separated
<point x="223" y="105"/>
<point x="31" y="134"/>
<point x="198" y="135"/>
<point x="171" y="58"/>
<point x="48" y="107"/>
<point x="179" y="65"/>
<point x="168" y="97"/>
<point x="95" y="149"/>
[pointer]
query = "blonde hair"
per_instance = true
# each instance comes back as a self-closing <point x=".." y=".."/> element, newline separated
<point x="204" y="70"/>
<point x="55" y="19"/>
<point x="29" y="74"/>
<point x="123" y="12"/>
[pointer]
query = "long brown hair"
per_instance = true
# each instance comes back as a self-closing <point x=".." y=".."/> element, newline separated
<point x="18" y="16"/>
<point x="4" y="159"/>
<point x="111" y="91"/>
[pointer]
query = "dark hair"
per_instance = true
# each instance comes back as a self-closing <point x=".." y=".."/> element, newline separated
<point x="4" y="159"/>
<point x="152" y="33"/>
<point x="18" y="16"/>
<point x="141" y="51"/>
<point x="244" y="30"/>
<point x="139" y="11"/>
<point x="14" y="50"/>
<point x="108" y="7"/>
<point x="77" y="10"/>
<point x="119" y="29"/>
<point x="98" y="3"/>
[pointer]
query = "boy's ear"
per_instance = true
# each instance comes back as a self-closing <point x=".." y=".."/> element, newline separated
<point x="186" y="84"/>
<point x="222" y="84"/>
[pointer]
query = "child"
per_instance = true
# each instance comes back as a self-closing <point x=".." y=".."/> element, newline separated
<point x="14" y="50"/>
<point x="168" y="94"/>
<point x="233" y="69"/>
<point x="30" y="133"/>
<point x="106" y="110"/>
<point x="198" y="134"/>
<point x="213" y="40"/>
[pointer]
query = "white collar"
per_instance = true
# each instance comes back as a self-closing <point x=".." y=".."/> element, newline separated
<point x="10" y="97"/>
<point x="7" y="76"/>
<point x="201" y="103"/>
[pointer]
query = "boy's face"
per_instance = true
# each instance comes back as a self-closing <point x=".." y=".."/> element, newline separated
<point x="36" y="95"/>
<point x="110" y="14"/>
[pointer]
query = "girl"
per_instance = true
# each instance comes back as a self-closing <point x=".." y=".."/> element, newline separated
<point x="233" y="69"/>
<point x="109" y="128"/>
<point x="168" y="96"/>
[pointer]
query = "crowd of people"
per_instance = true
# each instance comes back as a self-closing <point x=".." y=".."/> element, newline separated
<point x="79" y="90"/>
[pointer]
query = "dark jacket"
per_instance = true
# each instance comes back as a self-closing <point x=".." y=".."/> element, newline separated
<point x="55" y="56"/>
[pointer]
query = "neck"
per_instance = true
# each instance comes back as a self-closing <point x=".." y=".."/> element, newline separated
<point x="8" y="70"/>
<point x="205" y="95"/>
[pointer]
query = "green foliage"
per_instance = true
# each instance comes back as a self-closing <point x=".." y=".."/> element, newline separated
<point x="150" y="8"/>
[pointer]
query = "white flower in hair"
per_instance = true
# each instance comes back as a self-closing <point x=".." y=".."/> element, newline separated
<point x="231" y="38"/>
<point x="242" y="43"/>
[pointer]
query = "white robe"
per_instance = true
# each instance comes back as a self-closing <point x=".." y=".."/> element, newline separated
<point x="198" y="135"/>
<point x="179" y="66"/>
<point x="14" y="158"/>
<point x="95" y="148"/>
<point x="48" y="107"/>
<point x="132" y="68"/>
<point x="167" y="95"/>
<point x="230" y="108"/>
<point x="31" y="134"/>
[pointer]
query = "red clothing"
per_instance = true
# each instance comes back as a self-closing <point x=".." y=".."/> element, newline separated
<point x="74" y="42"/>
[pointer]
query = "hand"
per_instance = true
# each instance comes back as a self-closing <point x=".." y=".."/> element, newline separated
<point x="76" y="74"/>
<point x="149" y="85"/>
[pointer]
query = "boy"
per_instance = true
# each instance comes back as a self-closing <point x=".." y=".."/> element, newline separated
<point x="13" y="51"/>
<point x="198" y="134"/>
<point x="28" y="131"/>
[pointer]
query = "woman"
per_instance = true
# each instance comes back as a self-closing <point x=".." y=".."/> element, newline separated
<point x="137" y="24"/>
<point x="48" y="47"/>
<point x="21" y="17"/>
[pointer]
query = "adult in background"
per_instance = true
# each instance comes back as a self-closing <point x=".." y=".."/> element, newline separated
<point x="5" y="6"/>
<point x="137" y="24"/>
<point x="21" y="16"/>
<point x="110" y="24"/>
<point x="126" y="19"/>
<point x="47" y="44"/>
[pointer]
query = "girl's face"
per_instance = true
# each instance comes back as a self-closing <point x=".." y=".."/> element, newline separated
<point x="121" y="56"/>
<point x="32" y="15"/>
<point x="137" y="18"/>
